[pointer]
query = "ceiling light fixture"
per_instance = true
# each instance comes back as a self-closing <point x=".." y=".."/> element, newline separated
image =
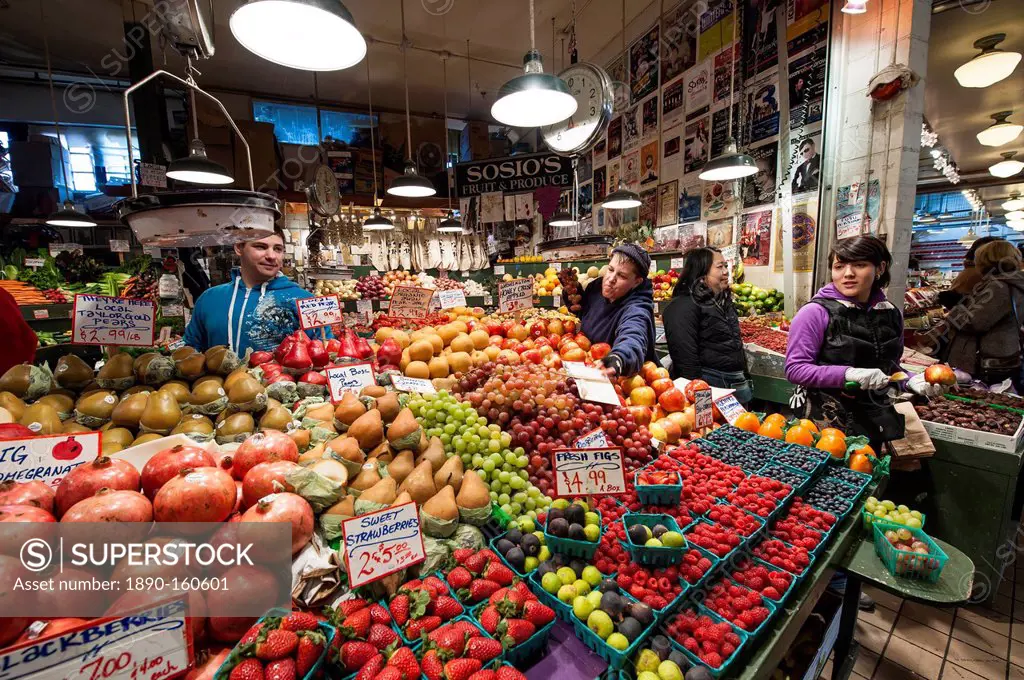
<point x="730" y="164"/>
<point x="535" y="98"/>
<point x="1015" y="215"/>
<point x="1008" y="167"/>
<point x="410" y="184"/>
<point x="989" y="67"/>
<point x="1000" y="132"/>
<point x="196" y="168"/>
<point x="562" y="219"/>
<point x="68" y="215"/>
<point x="1015" y="224"/>
<point x="376" y="221"/>
<point x="1015" y="203"/>
<point x="312" y="35"/>
<point x="854" y="7"/>
<point x="622" y="198"/>
<point x="449" y="225"/>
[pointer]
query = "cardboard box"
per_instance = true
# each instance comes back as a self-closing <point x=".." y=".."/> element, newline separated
<point x="983" y="440"/>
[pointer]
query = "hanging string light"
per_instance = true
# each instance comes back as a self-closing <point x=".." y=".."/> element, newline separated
<point x="410" y="184"/>
<point x="375" y="222"/>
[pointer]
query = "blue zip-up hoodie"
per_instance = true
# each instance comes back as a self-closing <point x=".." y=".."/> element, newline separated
<point x="240" y="317"/>
<point x="626" y="324"/>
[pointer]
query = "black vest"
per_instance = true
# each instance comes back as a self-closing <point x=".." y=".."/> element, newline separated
<point x="865" y="338"/>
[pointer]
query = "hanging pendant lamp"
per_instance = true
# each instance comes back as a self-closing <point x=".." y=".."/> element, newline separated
<point x="1001" y="131"/>
<point x="989" y="67"/>
<point x="730" y="164"/>
<point x="68" y="215"/>
<point x="535" y="98"/>
<point x="375" y="222"/>
<point x="854" y="7"/>
<point x="562" y="219"/>
<point x="621" y="199"/>
<point x="1008" y="167"/>
<point x="410" y="184"/>
<point x="312" y="35"/>
<point x="450" y="225"/>
<point x="197" y="168"/>
<point x="1014" y="203"/>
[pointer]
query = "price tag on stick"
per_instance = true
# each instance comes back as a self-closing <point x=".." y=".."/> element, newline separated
<point x="584" y="472"/>
<point x="731" y="408"/>
<point x="104" y="320"/>
<point x="515" y="295"/>
<point x="452" y="298"/>
<point x="315" y="312"/>
<point x="410" y="302"/>
<point x="704" y="415"/>
<point x="381" y="543"/>
<point x="350" y="378"/>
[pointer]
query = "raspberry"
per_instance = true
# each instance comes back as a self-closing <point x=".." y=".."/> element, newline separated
<point x="713" y="659"/>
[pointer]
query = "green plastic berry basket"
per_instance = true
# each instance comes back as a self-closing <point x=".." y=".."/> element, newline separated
<point x="657" y="494"/>
<point x="768" y="604"/>
<point x="532" y="649"/>
<point x="783" y="596"/>
<point x="329" y="631"/>
<point x="562" y="610"/>
<point x="493" y="544"/>
<point x="653" y="556"/>
<point x="667" y="610"/>
<point x="727" y="664"/>
<point x="906" y="564"/>
<point x="414" y="644"/>
<point x="851" y="478"/>
<point x="868" y="519"/>
<point x="616" y="659"/>
<point x="570" y="546"/>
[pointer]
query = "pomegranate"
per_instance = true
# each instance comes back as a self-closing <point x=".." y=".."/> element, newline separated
<point x="285" y="507"/>
<point x="249" y="589"/>
<point x="27" y="493"/>
<point x="24" y="513"/>
<point x="170" y="462"/>
<point x="207" y="663"/>
<point x="239" y="497"/>
<point x="138" y="600"/>
<point x="11" y="569"/>
<point x="266" y="478"/>
<point x="67" y="600"/>
<point x="85" y="480"/>
<point x="111" y="505"/>
<point x="263" y="447"/>
<point x="204" y="494"/>
<point x="15" y="536"/>
<point x="48" y="628"/>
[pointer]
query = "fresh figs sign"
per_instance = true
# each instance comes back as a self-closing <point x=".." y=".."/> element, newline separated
<point x="105" y="320"/>
<point x="381" y="543"/>
<point x="47" y="459"/>
<point x="322" y="310"/>
<point x="583" y="472"/>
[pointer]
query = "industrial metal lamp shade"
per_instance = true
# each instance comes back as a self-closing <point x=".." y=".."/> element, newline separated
<point x="198" y="169"/>
<point x="411" y="184"/>
<point x="621" y="199"/>
<point x="377" y="222"/>
<point x="68" y="216"/>
<point x="1008" y="167"/>
<point x="450" y="225"/>
<point x="533" y="99"/>
<point x="990" y="66"/>
<point x="562" y="219"/>
<point x="854" y="7"/>
<point x="312" y="35"/>
<point x="1001" y="131"/>
<point x="730" y="165"/>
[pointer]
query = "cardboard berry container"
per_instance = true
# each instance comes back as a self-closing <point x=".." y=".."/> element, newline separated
<point x="235" y="656"/>
<point x="653" y="556"/>
<point x="727" y="664"/>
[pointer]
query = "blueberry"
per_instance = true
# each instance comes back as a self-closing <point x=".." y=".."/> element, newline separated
<point x="830" y="496"/>
<point x="780" y="473"/>
<point x="851" y="477"/>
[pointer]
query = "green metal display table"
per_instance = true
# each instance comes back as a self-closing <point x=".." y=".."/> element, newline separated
<point x="775" y="390"/>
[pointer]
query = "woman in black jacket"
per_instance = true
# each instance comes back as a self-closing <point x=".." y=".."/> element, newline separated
<point x="702" y="328"/>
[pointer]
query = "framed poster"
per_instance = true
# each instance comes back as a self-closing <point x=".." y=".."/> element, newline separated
<point x="668" y="204"/>
<point x="719" y="200"/>
<point x="760" y="188"/>
<point x="696" y="145"/>
<point x="672" y="153"/>
<point x="756" y="237"/>
<point x="720" y="233"/>
<point x="631" y="129"/>
<point x="672" y="110"/>
<point x="644" y="58"/>
<point x="649" y="157"/>
<point x="614" y="138"/>
<point x="763" y="108"/>
<point x="679" y="44"/>
<point x="689" y="202"/>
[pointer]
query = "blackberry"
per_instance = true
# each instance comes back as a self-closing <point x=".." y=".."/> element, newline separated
<point x="791" y="477"/>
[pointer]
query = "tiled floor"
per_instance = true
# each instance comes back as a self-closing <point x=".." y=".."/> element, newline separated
<point x="909" y="641"/>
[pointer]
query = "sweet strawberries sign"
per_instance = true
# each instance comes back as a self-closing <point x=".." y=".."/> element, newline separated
<point x="48" y="458"/>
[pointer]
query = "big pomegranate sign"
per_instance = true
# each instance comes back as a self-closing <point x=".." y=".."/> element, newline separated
<point x="46" y="459"/>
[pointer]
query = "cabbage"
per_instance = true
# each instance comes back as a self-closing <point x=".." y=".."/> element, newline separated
<point x="467" y="536"/>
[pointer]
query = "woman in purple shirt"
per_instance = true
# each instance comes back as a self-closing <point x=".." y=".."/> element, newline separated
<point x="846" y="343"/>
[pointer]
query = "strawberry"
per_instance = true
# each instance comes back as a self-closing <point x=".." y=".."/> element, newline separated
<point x="476" y="563"/>
<point x="483" y="649"/>
<point x="479" y="590"/>
<point x="467" y="628"/>
<point x="508" y="673"/>
<point x="437" y="584"/>
<point x="282" y="669"/>
<point x="251" y="635"/>
<point x="348" y="607"/>
<point x="404" y="660"/>
<point x="538" y="614"/>
<point x="515" y="632"/>
<point x="512" y="605"/>
<point x="521" y="588"/>
<point x="447" y="607"/>
<point x="417" y="626"/>
<point x="249" y="669"/>
<point x="381" y="636"/>
<point x="311" y="645"/>
<point x="459" y="578"/>
<point x="497" y="596"/>
<point x="485" y="674"/>
<point x="399" y="608"/>
<point x="357" y="625"/>
<point x="354" y="654"/>
<point x="379" y="614"/>
<point x="499" y="573"/>
<point x="489" y="619"/>
<point x="461" y="669"/>
<point x="297" y="621"/>
<point x="276" y="645"/>
<point x="462" y="554"/>
<point x="371" y="668"/>
<point x="390" y="673"/>
<point x="431" y="665"/>
<point x="450" y="639"/>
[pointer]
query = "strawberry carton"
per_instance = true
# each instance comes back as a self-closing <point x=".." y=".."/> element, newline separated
<point x="421" y="606"/>
<point x="519" y="620"/>
<point x="477" y="575"/>
<point x="458" y="650"/>
<point x="282" y="645"/>
<point x="659" y="483"/>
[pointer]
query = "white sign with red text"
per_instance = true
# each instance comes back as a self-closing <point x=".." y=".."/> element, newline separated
<point x="582" y="472"/>
<point x="47" y="459"/>
<point x="323" y="310"/>
<point x="105" y="320"/>
<point x="381" y="543"/>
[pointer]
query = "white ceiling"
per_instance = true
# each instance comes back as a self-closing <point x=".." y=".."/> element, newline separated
<point x="87" y="35"/>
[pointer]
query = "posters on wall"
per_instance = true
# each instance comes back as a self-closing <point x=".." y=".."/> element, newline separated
<point x="524" y="207"/>
<point x="805" y="227"/>
<point x="697" y="89"/>
<point x="806" y="24"/>
<point x="855" y="204"/>
<point x="614" y="175"/>
<point x="672" y="154"/>
<point x="672" y="104"/>
<point x="649" y="157"/>
<point x="586" y="199"/>
<point x="510" y="208"/>
<point x="601" y="151"/>
<point x="679" y="44"/>
<point x="720" y="128"/>
<point x="668" y="203"/>
<point x="619" y="75"/>
<point x="600" y="183"/>
<point x="649" y="205"/>
<point x="649" y="116"/>
<point x="492" y="207"/>
<point x="696" y="144"/>
<point x="716" y="28"/>
<point x="720" y="233"/>
<point x="722" y="74"/>
<point x="631" y="169"/>
<point x="615" y="138"/>
<point x="760" y="188"/>
<point x="806" y="88"/>
<point x="719" y="200"/>
<point x="630" y="129"/>
<point x="756" y="237"/>
<point x="643" y="65"/>
<point x="689" y="202"/>
<point x="763" y="108"/>
<point x="692" y="236"/>
<point x="805" y="160"/>
<point x="585" y="167"/>
<point x="760" y="33"/>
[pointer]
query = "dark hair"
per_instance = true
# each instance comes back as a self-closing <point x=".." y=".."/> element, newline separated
<point x="969" y="257"/>
<point x="806" y="142"/>
<point x="696" y="265"/>
<point x="864" y="249"/>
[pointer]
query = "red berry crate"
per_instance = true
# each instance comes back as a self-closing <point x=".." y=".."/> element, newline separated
<point x="810" y="516"/>
<point x="716" y="539"/>
<point x="775" y="584"/>
<point x="744" y="608"/>
<point x="796" y="534"/>
<point x="796" y="561"/>
<point x="702" y="616"/>
<point x="698" y="566"/>
<point x="660" y="582"/>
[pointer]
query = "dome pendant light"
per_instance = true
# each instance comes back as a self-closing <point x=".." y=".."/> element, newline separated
<point x="410" y="184"/>
<point x="197" y="168"/>
<point x="1008" y="167"/>
<point x="450" y="225"/>
<point x="375" y="222"/>
<point x="731" y="164"/>
<point x="1001" y="131"/>
<point x="68" y="215"/>
<point x="562" y="219"/>
<point x="535" y="98"/>
<point x="622" y="198"/>
<point x="854" y="7"/>
<point x="990" y="66"/>
<point x="312" y="35"/>
<point x="1015" y="203"/>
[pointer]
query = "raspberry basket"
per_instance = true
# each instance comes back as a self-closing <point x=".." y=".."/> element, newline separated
<point x="772" y="568"/>
<point x="727" y="665"/>
<point x="767" y="603"/>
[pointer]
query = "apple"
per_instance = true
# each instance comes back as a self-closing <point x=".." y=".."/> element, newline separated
<point x="940" y="374"/>
<point x="643" y="396"/>
<point x="662" y="385"/>
<point x="693" y="386"/>
<point x="600" y="350"/>
<point x="672" y="400"/>
<point x="641" y="415"/>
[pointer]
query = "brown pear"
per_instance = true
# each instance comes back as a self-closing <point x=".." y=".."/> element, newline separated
<point x="183" y="353"/>
<point x="194" y="423"/>
<point x="450" y="474"/>
<point x="71" y="427"/>
<point x="119" y="435"/>
<point x="192" y="367"/>
<point x="402" y="499"/>
<point x="128" y="411"/>
<point x="442" y="506"/>
<point x="117" y="369"/>
<point x="276" y="418"/>
<point x="473" y="493"/>
<point x="348" y="409"/>
<point x="161" y="413"/>
<point x="301" y="438"/>
<point x="323" y="412"/>
<point x="146" y="438"/>
<point x="375" y="391"/>
<point x="401" y="466"/>
<point x="347" y="448"/>
<point x="134" y="389"/>
<point x="62" y="403"/>
<point x="234" y="376"/>
<point x="382" y="453"/>
<point x="382" y="492"/>
<point x="434" y="453"/>
<point x="312" y="454"/>
<point x="344" y="508"/>
<point x="420" y="483"/>
<point x="12" y="403"/>
<point x="368" y="430"/>
<point x="17" y="379"/>
<point x="405" y="432"/>
<point x="367" y="477"/>
<point x="72" y="372"/>
<point x="41" y="419"/>
<point x="388" y="406"/>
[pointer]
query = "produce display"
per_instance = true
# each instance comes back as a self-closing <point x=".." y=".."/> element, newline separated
<point x="972" y="416"/>
<point x="764" y="337"/>
<point x="664" y="283"/>
<point x="345" y="290"/>
<point x="751" y="299"/>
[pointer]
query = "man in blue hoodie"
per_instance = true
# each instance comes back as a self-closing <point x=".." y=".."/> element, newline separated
<point x="256" y="309"/>
<point x="618" y="308"/>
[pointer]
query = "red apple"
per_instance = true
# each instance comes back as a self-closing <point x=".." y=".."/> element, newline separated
<point x="940" y="374"/>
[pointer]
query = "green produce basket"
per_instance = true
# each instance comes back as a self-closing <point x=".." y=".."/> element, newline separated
<point x="906" y="564"/>
<point x="728" y="664"/>
<point x="616" y="659"/>
<point x="493" y="543"/>
<point x="413" y="644"/>
<point x="532" y="649"/>
<point x="562" y="610"/>
<point x="768" y="604"/>
<point x="571" y="547"/>
<point x="235" y="657"/>
<point x="657" y="494"/>
<point x="868" y="519"/>
<point x="654" y="556"/>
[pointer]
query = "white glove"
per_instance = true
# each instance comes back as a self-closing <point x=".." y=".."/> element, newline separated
<point x="867" y="378"/>
<point x="918" y="385"/>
